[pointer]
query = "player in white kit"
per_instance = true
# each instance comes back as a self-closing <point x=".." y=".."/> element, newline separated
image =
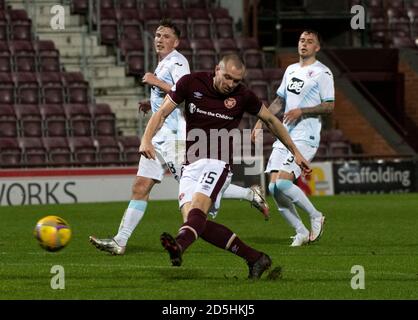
<point x="169" y="143"/>
<point x="305" y="94"/>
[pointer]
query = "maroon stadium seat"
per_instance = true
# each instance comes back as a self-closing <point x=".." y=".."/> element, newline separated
<point x="24" y="56"/>
<point x="151" y="4"/>
<point x="48" y="58"/>
<point x="4" y="27"/>
<point x="133" y="54"/>
<point x="20" y="25"/>
<point x="5" y="57"/>
<point x="8" y="121"/>
<point x="79" y="119"/>
<point x="58" y="150"/>
<point x="109" y="33"/>
<point x="51" y="87"/>
<point x="130" y="145"/>
<point x="10" y="152"/>
<point x="129" y="4"/>
<point x="204" y="54"/>
<point x="130" y="25"/>
<point x="34" y="152"/>
<point x="109" y="150"/>
<point x="104" y="119"/>
<point x="185" y="49"/>
<point x="76" y="87"/>
<point x="29" y="119"/>
<point x="54" y="120"/>
<point x="7" y="92"/>
<point x="83" y="150"/>
<point x="27" y="88"/>
<point x="225" y="46"/>
<point x="79" y="6"/>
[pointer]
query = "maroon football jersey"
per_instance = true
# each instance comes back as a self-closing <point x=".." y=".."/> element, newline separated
<point x="211" y="116"/>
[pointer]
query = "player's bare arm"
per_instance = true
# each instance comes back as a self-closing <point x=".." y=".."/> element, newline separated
<point x="322" y="109"/>
<point x="277" y="108"/>
<point x="277" y="128"/>
<point x="154" y="124"/>
<point x="152" y="80"/>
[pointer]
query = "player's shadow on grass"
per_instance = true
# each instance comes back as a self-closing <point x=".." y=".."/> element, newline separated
<point x="135" y="249"/>
<point x="267" y="240"/>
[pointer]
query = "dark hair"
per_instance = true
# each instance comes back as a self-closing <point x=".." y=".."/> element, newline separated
<point x="168" y="24"/>
<point x="316" y="33"/>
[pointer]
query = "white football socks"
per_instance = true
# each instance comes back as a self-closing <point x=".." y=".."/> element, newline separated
<point x="236" y="192"/>
<point x="130" y="220"/>
<point x="288" y="210"/>
<point x="297" y="196"/>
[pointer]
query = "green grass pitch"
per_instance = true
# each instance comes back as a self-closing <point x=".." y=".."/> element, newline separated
<point x="378" y="232"/>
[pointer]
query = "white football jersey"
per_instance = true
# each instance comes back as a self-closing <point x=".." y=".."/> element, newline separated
<point x="170" y="70"/>
<point x="304" y="87"/>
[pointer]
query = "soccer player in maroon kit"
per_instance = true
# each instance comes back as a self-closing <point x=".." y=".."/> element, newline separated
<point x="213" y="102"/>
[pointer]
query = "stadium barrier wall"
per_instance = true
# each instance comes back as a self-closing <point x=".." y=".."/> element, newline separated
<point x="75" y="185"/>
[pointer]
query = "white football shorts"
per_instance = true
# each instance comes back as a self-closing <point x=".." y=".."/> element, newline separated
<point x="208" y="176"/>
<point x="169" y="150"/>
<point x="282" y="160"/>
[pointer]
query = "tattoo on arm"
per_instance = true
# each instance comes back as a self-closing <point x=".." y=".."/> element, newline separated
<point x="322" y="109"/>
<point x="278" y="106"/>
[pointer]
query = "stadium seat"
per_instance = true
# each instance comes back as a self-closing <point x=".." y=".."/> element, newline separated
<point x="173" y="4"/>
<point x="150" y="4"/>
<point x="246" y="43"/>
<point x="225" y="46"/>
<point x="253" y="58"/>
<point x="130" y="25"/>
<point x="78" y="119"/>
<point x="254" y="74"/>
<point x="20" y="25"/>
<point x="27" y="88"/>
<point x="10" y="152"/>
<point x="199" y="4"/>
<point x="204" y="54"/>
<point x="109" y="150"/>
<point x="48" y="57"/>
<point x="7" y="91"/>
<point x="200" y="23"/>
<point x="185" y="48"/>
<point x="58" y="150"/>
<point x="129" y="4"/>
<point x="54" y="120"/>
<point x="261" y="90"/>
<point x="76" y="87"/>
<point x="51" y="87"/>
<point x="4" y="27"/>
<point x="133" y="54"/>
<point x="151" y="18"/>
<point x="109" y="33"/>
<point x="29" y="119"/>
<point x="104" y="119"/>
<point x="8" y="121"/>
<point x="79" y="6"/>
<point x="5" y="57"/>
<point x="83" y="150"/>
<point x="34" y="152"/>
<point x="179" y="18"/>
<point x="130" y="146"/>
<point x="24" y="56"/>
